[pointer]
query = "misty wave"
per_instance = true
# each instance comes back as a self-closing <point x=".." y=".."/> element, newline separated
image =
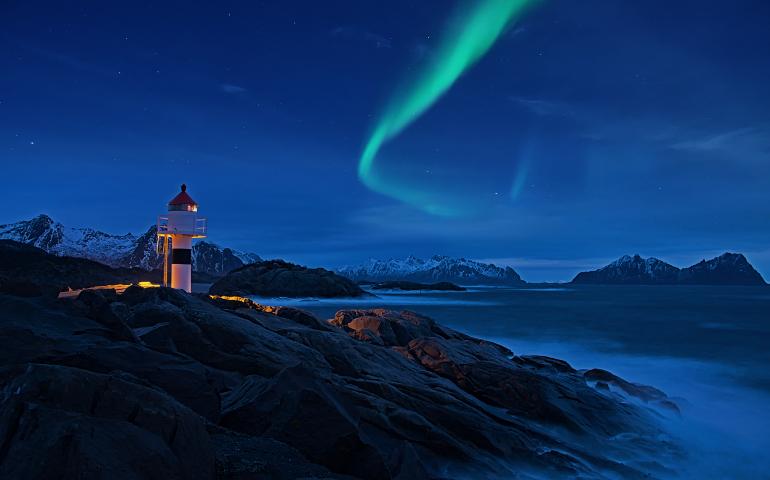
<point x="384" y="300"/>
<point x="710" y="361"/>
<point x="723" y="423"/>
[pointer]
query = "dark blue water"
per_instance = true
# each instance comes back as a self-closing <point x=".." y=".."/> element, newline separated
<point x="709" y="347"/>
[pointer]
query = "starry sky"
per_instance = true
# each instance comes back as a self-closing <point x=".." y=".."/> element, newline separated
<point x="589" y="129"/>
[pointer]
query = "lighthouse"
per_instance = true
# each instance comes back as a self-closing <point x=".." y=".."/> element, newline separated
<point x="179" y="227"/>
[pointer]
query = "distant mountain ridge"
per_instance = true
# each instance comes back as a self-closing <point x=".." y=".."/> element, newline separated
<point x="726" y="269"/>
<point x="438" y="268"/>
<point x="127" y="251"/>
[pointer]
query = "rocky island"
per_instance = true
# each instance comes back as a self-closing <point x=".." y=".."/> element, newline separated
<point x="158" y="383"/>
<point x="726" y="269"/>
<point x="414" y="286"/>
<point x="276" y="278"/>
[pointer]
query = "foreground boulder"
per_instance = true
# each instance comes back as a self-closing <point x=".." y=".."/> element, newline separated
<point x="224" y="388"/>
<point x="276" y="278"/>
<point x="63" y="422"/>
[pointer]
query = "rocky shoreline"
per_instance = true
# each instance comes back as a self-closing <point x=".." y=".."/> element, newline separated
<point x="156" y="383"/>
<point x="160" y="384"/>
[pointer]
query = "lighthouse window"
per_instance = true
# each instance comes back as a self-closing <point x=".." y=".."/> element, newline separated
<point x="183" y="208"/>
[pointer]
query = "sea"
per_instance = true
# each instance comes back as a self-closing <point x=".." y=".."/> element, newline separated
<point x="707" y="347"/>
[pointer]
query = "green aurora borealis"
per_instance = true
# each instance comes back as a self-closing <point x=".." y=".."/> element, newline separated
<point x="465" y="41"/>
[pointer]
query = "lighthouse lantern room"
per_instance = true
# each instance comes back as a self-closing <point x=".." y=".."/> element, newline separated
<point x="176" y="231"/>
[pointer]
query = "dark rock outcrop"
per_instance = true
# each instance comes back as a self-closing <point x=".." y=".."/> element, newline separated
<point x="30" y="271"/>
<point x="727" y="269"/>
<point x="224" y="388"/>
<point x="631" y="270"/>
<point x="26" y="270"/>
<point x="64" y="422"/>
<point x="276" y="278"/>
<point x="645" y="393"/>
<point x="414" y="286"/>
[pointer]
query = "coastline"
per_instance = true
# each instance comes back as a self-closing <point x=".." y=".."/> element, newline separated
<point x="268" y="361"/>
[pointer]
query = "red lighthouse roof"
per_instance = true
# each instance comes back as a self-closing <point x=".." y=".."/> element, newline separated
<point x="182" y="199"/>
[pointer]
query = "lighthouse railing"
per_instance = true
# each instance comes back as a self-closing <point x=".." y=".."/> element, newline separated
<point x="196" y="227"/>
<point x="200" y="227"/>
<point x="162" y="225"/>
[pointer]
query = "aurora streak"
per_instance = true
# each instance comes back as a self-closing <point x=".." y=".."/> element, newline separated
<point x="472" y="34"/>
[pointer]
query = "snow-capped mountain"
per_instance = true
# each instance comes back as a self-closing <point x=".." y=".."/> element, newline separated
<point x="127" y="250"/>
<point x="55" y="238"/>
<point x="727" y="269"/>
<point x="435" y="269"/>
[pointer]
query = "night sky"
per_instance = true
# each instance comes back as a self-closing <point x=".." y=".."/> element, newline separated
<point x="590" y="129"/>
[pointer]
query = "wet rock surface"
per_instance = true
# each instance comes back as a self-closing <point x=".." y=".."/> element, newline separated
<point x="155" y="383"/>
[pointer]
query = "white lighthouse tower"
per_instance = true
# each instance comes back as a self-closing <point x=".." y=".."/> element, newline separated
<point x="179" y="226"/>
